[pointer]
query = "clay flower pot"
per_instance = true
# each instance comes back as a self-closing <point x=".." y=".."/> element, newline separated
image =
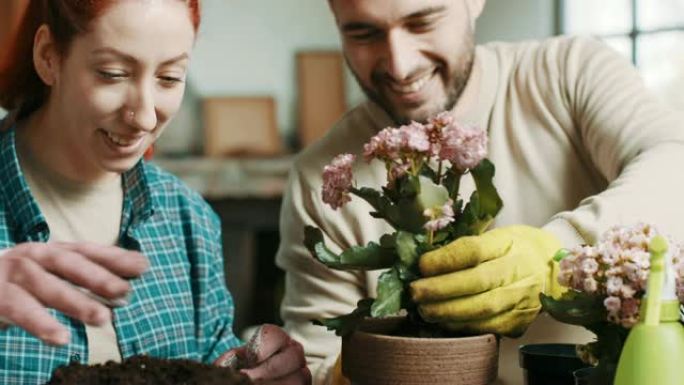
<point x="371" y="356"/>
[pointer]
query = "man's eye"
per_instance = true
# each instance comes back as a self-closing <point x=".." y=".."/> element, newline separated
<point x="420" y="25"/>
<point x="169" y="81"/>
<point x="365" y="35"/>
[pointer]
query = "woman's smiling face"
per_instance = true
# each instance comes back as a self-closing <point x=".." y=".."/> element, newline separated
<point x="121" y="82"/>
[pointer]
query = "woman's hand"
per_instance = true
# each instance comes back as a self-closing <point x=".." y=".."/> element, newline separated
<point x="270" y="357"/>
<point x="67" y="277"/>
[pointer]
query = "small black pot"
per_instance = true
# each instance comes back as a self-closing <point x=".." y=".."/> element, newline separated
<point x="549" y="364"/>
<point x="585" y="376"/>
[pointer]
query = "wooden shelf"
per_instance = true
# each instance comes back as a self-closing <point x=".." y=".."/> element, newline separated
<point x="231" y="178"/>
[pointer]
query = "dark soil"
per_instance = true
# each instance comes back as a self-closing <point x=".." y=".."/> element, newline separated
<point x="144" y="370"/>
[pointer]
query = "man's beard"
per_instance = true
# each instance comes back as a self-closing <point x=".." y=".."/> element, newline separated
<point x="456" y="83"/>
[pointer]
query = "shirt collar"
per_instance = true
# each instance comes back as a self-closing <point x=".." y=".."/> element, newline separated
<point x="21" y="207"/>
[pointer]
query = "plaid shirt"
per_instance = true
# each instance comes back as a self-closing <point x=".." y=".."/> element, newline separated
<point x="179" y="308"/>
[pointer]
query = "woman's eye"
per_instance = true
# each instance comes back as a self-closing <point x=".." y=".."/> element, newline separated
<point x="111" y="75"/>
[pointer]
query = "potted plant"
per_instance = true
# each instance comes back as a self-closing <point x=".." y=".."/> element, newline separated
<point x="421" y="201"/>
<point x="607" y="283"/>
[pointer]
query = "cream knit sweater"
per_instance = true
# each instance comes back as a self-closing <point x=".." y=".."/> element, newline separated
<point x="578" y="143"/>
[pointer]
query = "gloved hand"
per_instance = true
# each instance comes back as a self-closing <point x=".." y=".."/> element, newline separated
<point x="488" y="283"/>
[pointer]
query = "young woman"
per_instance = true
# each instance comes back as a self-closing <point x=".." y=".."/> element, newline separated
<point x="90" y="86"/>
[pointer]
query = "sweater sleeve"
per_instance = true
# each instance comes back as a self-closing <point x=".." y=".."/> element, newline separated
<point x="633" y="140"/>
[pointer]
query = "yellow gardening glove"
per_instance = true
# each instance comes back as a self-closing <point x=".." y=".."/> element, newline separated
<point x="488" y="283"/>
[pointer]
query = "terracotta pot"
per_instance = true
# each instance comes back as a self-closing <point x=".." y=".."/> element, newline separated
<point x="372" y="357"/>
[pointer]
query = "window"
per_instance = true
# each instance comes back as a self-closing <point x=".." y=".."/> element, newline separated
<point x="649" y="32"/>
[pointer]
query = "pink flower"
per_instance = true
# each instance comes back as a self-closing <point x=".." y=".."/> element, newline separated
<point x="440" y="217"/>
<point x="619" y="265"/>
<point x="443" y="119"/>
<point x="613" y="285"/>
<point x="393" y="144"/>
<point x="385" y="145"/>
<point x="590" y="285"/>
<point x="338" y="180"/>
<point x="612" y="304"/>
<point x="414" y="138"/>
<point x="589" y="266"/>
<point x="463" y="145"/>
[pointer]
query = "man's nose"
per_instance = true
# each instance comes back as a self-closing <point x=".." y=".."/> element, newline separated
<point x="402" y="55"/>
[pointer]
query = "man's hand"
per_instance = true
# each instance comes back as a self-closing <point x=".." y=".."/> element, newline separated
<point x="66" y="277"/>
<point x="270" y="357"/>
<point x="488" y="283"/>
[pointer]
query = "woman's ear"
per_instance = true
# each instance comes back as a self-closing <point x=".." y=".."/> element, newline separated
<point x="45" y="56"/>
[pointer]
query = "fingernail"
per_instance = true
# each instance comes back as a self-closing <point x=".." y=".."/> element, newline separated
<point x="253" y="347"/>
<point x="230" y="362"/>
<point x="121" y="301"/>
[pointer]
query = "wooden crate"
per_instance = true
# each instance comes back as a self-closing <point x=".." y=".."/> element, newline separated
<point x="240" y="126"/>
<point x="320" y="82"/>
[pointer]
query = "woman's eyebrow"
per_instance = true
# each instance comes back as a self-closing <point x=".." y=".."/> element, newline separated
<point x="128" y="58"/>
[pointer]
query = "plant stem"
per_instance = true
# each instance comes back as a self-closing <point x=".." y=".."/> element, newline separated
<point x="439" y="173"/>
<point x="453" y="194"/>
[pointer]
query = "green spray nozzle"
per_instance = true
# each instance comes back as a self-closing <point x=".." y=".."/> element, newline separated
<point x="656" y="279"/>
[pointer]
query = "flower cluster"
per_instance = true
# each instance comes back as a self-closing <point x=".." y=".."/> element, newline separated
<point x="422" y="204"/>
<point x="405" y="150"/>
<point x="617" y="268"/>
<point x="464" y="146"/>
<point x="338" y="180"/>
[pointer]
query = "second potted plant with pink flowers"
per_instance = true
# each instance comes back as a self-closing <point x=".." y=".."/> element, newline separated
<point x="607" y="283"/>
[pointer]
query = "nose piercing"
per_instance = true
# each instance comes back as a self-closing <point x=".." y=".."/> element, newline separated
<point x="130" y="115"/>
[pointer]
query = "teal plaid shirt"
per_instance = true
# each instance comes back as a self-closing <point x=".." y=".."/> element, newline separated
<point x="180" y="308"/>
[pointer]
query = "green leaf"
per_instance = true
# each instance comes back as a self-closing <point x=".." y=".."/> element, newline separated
<point x="561" y="254"/>
<point x="575" y="308"/>
<point x="369" y="257"/>
<point x="390" y="289"/>
<point x="383" y="206"/>
<point x="347" y="323"/>
<point x="315" y="243"/>
<point x="490" y="201"/>
<point x="409" y="186"/>
<point x="406" y="248"/>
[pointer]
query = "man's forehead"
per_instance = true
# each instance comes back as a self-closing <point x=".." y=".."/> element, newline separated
<point x="345" y="10"/>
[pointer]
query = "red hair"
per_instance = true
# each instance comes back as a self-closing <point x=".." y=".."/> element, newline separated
<point x="21" y="89"/>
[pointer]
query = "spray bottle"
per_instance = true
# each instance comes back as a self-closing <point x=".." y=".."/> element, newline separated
<point x="654" y="350"/>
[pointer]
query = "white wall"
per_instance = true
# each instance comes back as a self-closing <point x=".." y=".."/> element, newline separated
<point x="248" y="47"/>
<point x="512" y="20"/>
